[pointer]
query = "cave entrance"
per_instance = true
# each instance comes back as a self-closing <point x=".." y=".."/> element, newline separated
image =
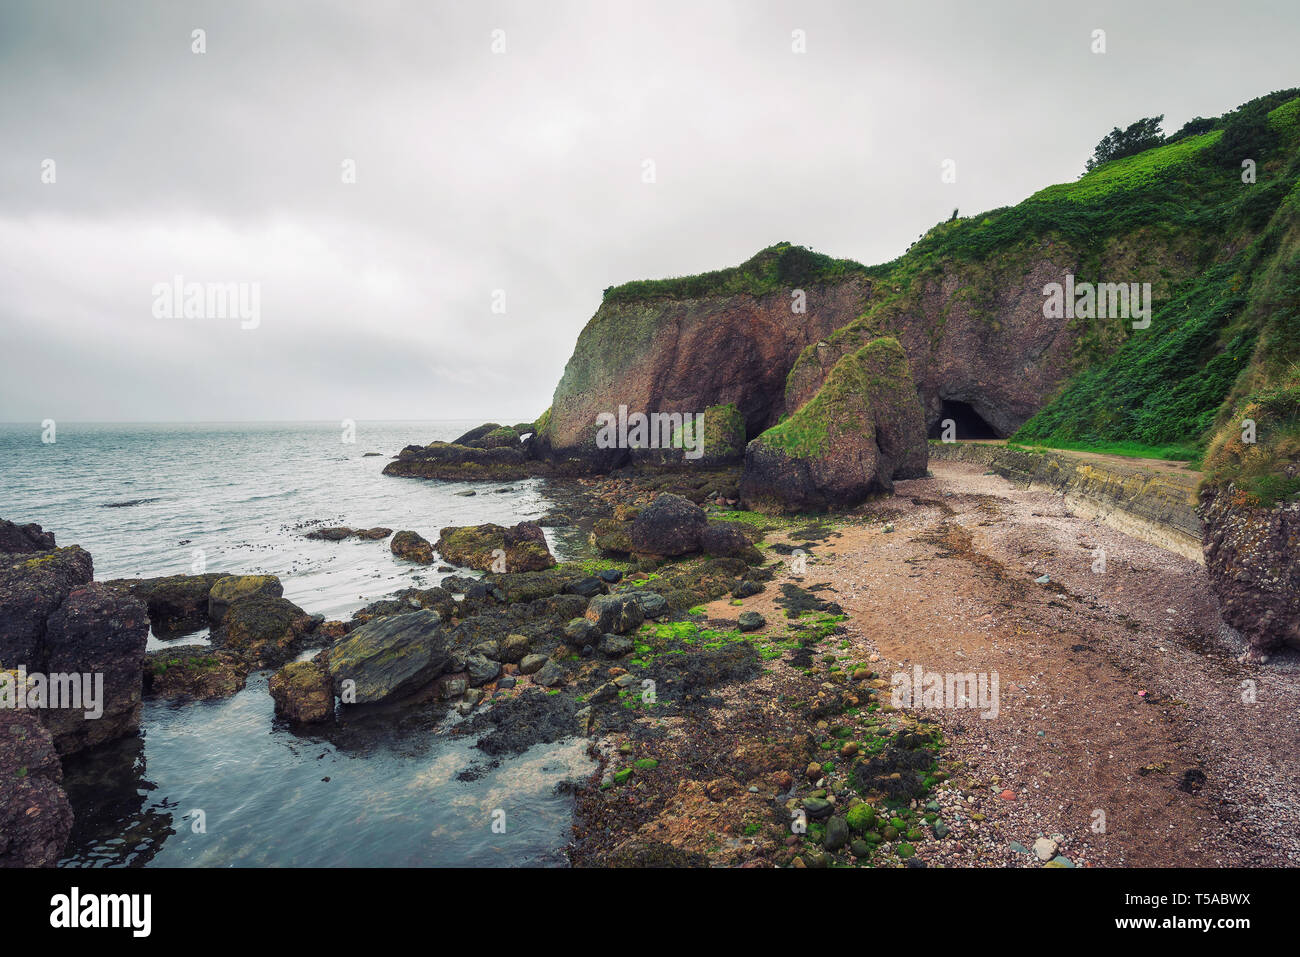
<point x="970" y="424"/>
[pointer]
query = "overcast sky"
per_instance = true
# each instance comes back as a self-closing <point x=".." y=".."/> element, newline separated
<point x="519" y="171"/>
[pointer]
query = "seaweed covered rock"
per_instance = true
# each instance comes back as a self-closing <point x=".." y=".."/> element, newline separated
<point x="730" y="540"/>
<point x="265" y="631"/>
<point x="490" y="451"/>
<point x="35" y="816"/>
<point x="303" y="692"/>
<point x="863" y="429"/>
<point x="176" y="603"/>
<point x="669" y="526"/>
<point x="1252" y="558"/>
<point x="412" y="547"/>
<point x="233" y="588"/>
<point x="489" y="547"/>
<point x="195" y="672"/>
<point x="389" y="658"/>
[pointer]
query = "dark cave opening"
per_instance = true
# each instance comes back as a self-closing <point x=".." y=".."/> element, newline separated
<point x="970" y="424"/>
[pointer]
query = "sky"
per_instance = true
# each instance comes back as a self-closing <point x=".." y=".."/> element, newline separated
<point x="500" y="156"/>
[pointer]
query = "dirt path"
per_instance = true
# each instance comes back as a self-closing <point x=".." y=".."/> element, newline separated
<point x="1120" y="693"/>
<point x="1159" y="465"/>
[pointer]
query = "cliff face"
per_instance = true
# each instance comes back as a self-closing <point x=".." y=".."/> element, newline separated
<point x="688" y="355"/>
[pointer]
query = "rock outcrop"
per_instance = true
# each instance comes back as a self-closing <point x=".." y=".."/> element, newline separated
<point x="56" y="621"/>
<point x="236" y="588"/>
<point x="35" y="816"/>
<point x="412" y="547"/>
<point x="1252" y="557"/>
<point x="176" y="603"/>
<point x="862" y="429"/>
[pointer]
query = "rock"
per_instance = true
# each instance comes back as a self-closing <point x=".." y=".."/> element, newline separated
<point x="746" y="589"/>
<point x="412" y="547"/>
<point x="531" y="664"/>
<point x="32" y="587"/>
<point x="226" y="591"/>
<point x="514" y="648"/>
<point x="941" y="830"/>
<point x="24" y="539"/>
<point x="334" y="533"/>
<point x="610" y="576"/>
<point x="615" y="613"/>
<point x="581" y="632"/>
<point x="837" y="834"/>
<point x="193" y="671"/>
<point x="96" y="631"/>
<point x="374" y="534"/>
<point x="813" y="771"/>
<point x="1060" y="861"/>
<point x="521" y="548"/>
<point x="1252" y="559"/>
<point x="389" y="658"/>
<point x="615" y="646"/>
<point x="549" y="675"/>
<point x="750" y="621"/>
<point x="729" y="540"/>
<point x="176" y="604"/>
<point x="610" y="536"/>
<point x="588" y="587"/>
<point x="481" y="669"/>
<point x="860" y="848"/>
<point x="817" y="808"/>
<point x="668" y="526"/>
<point x="653" y="604"/>
<point x="35" y="816"/>
<point x="303" y="692"/>
<point x="1045" y="848"/>
<point x="864" y="428"/>
<point x="267" y="632"/>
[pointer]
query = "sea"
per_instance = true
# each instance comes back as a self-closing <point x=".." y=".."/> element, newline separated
<point x="224" y="783"/>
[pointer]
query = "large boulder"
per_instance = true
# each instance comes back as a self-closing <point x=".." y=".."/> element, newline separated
<point x="389" y="658"/>
<point x="617" y="613"/>
<point x="265" y="631"/>
<point x="522" y="548"/>
<point x="863" y="429"/>
<point x="98" y="637"/>
<point x="1252" y="558"/>
<point x="303" y="692"/>
<point x="668" y="526"/>
<point x="35" y="816"/>
<point x="226" y="591"/>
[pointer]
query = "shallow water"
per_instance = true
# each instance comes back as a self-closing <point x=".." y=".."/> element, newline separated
<point x="239" y="496"/>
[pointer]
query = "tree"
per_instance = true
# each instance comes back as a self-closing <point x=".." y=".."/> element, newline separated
<point x="1142" y="135"/>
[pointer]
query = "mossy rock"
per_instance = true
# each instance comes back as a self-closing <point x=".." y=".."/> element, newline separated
<point x="234" y="588"/>
<point x="864" y="428"/>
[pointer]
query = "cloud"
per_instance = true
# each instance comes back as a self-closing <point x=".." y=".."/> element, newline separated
<point x="519" y="171"/>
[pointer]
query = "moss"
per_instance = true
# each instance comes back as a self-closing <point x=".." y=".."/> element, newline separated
<point x="877" y="368"/>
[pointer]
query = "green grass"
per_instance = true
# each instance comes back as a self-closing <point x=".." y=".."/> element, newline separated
<point x="1172" y="453"/>
<point x="1151" y="169"/>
